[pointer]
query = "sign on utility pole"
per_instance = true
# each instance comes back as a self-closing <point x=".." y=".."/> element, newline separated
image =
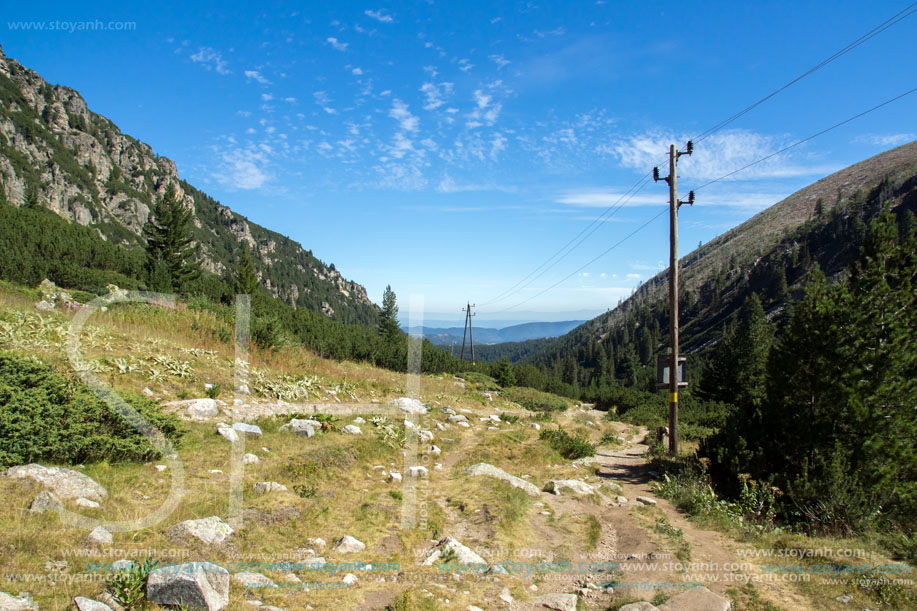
<point x="674" y="382"/>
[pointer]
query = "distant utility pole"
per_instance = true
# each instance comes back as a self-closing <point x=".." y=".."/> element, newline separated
<point x="674" y="204"/>
<point x="468" y="332"/>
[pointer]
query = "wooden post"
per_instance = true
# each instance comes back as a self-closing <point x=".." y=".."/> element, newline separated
<point x="673" y="300"/>
<point x="470" y="332"/>
<point x="464" y="332"/>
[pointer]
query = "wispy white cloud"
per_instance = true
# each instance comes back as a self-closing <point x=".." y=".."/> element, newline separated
<point x="501" y="61"/>
<point x="254" y="75"/>
<point x="718" y="155"/>
<point x="885" y="139"/>
<point x="400" y="113"/>
<point x="380" y="15"/>
<point x="357" y="71"/>
<point x="435" y="94"/>
<point x="337" y="44"/>
<point x="211" y="59"/>
<point x="243" y="168"/>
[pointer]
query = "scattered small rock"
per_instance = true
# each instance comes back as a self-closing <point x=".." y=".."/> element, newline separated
<point x="227" y="432"/>
<point x="87" y="604"/>
<point x="248" y="430"/>
<point x="250" y="459"/>
<point x="351" y="429"/>
<point x="484" y="469"/>
<point x="8" y="602"/>
<point x="44" y="501"/>
<point x="83" y="502"/>
<point x="645" y="500"/>
<point x="558" y="486"/>
<point x="265" y="487"/>
<point x="348" y="545"/>
<point x="65" y="483"/>
<point x="209" y="530"/>
<point x="253" y="580"/>
<point x="192" y="584"/>
<point x="350" y="579"/>
<point x="302" y="427"/>
<point x="410" y="406"/>
<point x="100" y="536"/>
<point x="696" y="598"/>
<point x="418" y="471"/>
<point x="558" y="602"/>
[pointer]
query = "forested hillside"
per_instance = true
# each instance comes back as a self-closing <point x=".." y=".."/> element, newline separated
<point x="772" y="255"/>
<point x="58" y="154"/>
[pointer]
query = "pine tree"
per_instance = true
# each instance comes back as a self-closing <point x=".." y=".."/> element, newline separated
<point x="388" y="326"/>
<point x="245" y="280"/>
<point x="170" y="244"/>
<point x="504" y="374"/>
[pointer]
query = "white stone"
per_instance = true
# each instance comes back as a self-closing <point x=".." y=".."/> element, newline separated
<point x="418" y="471"/>
<point x="410" y="406"/>
<point x="253" y="580"/>
<point x="304" y="427"/>
<point x="350" y="579"/>
<point x="65" y="483"/>
<point x="83" y="502"/>
<point x="227" y="432"/>
<point x="87" y="604"/>
<point x="248" y="430"/>
<point x="9" y="602"/>
<point x="456" y="418"/>
<point x="161" y="468"/>
<point x="351" y="429"/>
<point x="209" y="530"/>
<point x="192" y="584"/>
<point x="426" y="436"/>
<point x="646" y="500"/>
<point x="250" y="459"/>
<point x="484" y="469"/>
<point x="348" y="545"/>
<point x="558" y="486"/>
<point x="196" y="409"/>
<point x="45" y="501"/>
<point x="506" y="596"/>
<point x="558" y="602"/>
<point x="100" y="536"/>
<point x="265" y="487"/>
<point x="394" y="476"/>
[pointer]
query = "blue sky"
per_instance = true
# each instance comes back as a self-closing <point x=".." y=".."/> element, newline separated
<point x="449" y="148"/>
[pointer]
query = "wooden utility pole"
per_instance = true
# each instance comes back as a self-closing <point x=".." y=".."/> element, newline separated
<point x="672" y="179"/>
<point x="468" y="332"/>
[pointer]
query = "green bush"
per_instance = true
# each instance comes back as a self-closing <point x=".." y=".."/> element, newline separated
<point x="52" y="418"/>
<point x="567" y="445"/>
<point x="535" y="400"/>
<point x="480" y="380"/>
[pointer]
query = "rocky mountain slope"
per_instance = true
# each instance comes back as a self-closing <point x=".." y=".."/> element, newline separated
<point x="57" y="153"/>
<point x="771" y="254"/>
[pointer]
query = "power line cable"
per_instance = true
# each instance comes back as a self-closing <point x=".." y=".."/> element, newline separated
<point x="804" y="140"/>
<point x="595" y="224"/>
<point x="715" y="180"/>
<point x="894" y="19"/>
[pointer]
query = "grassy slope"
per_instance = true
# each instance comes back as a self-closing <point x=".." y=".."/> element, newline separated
<point x="336" y="482"/>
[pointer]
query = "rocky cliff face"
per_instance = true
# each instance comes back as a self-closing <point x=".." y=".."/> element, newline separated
<point x="56" y="152"/>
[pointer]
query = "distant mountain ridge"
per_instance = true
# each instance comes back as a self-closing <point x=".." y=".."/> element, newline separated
<point x="56" y="153"/>
<point x="486" y="335"/>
